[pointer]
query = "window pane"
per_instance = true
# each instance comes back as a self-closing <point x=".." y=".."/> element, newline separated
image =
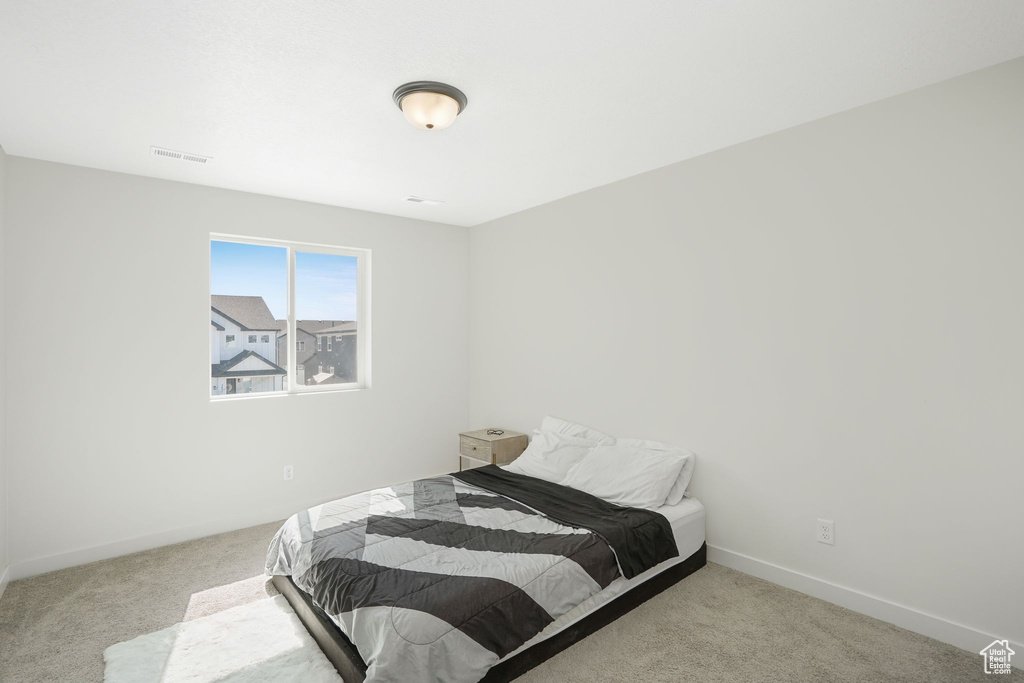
<point x="325" y="308"/>
<point x="248" y="312"/>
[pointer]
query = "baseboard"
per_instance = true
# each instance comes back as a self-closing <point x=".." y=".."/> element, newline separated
<point x="965" y="637"/>
<point x="73" y="558"/>
<point x="5" y="579"/>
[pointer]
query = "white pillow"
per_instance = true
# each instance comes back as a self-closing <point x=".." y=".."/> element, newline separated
<point x="644" y="483"/>
<point x="550" y="455"/>
<point x="678" y="491"/>
<point x="559" y="426"/>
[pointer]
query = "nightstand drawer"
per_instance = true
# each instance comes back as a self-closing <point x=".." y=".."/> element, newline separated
<point x="475" y="448"/>
<point x="469" y="463"/>
<point x="489" y="447"/>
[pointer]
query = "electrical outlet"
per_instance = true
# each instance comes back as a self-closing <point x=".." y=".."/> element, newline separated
<point x="826" y="531"/>
<point x="289" y="472"/>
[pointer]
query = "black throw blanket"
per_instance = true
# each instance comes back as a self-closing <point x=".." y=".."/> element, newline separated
<point x="640" y="538"/>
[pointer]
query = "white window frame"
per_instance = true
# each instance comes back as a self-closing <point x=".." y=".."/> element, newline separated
<point x="264" y="339"/>
<point x="301" y="344"/>
<point x="229" y="340"/>
<point x="362" y="257"/>
<point x="330" y="347"/>
<point x="252" y="339"/>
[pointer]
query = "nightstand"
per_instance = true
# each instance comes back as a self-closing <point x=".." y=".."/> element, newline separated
<point x="478" y="448"/>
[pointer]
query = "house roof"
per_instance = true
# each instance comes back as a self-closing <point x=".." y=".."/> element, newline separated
<point x="219" y="327"/>
<point x="348" y="326"/>
<point x="223" y="369"/>
<point x="309" y="326"/>
<point x="248" y="312"/>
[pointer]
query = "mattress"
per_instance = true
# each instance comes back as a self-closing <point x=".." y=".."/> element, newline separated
<point x="687" y="522"/>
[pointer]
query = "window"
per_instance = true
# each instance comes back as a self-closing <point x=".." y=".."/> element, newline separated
<point x="269" y="285"/>
<point x="330" y="285"/>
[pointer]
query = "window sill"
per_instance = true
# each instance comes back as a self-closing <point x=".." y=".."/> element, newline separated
<point x="279" y="394"/>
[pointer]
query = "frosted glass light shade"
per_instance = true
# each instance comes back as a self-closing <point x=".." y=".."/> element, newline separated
<point x="429" y="110"/>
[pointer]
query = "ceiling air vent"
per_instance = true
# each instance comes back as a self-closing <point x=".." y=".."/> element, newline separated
<point x="179" y="156"/>
<point x="413" y="199"/>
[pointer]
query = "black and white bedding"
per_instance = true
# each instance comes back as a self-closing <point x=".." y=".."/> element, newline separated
<point x="439" y="579"/>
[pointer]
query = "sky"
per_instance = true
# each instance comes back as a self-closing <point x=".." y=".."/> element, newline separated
<point x="325" y="284"/>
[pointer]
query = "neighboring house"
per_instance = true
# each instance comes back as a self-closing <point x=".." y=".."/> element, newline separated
<point x="334" y="361"/>
<point x="243" y="346"/>
<point x="304" y="346"/>
<point x="317" y="360"/>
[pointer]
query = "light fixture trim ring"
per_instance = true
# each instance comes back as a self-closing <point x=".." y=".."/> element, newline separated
<point x="430" y="86"/>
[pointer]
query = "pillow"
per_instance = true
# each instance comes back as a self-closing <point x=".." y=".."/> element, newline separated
<point x="645" y="483"/>
<point x="559" y="426"/>
<point x="678" y="490"/>
<point x="550" y="455"/>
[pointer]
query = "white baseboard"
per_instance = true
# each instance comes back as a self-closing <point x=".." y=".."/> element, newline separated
<point x="5" y="579"/>
<point x="73" y="558"/>
<point x="946" y="631"/>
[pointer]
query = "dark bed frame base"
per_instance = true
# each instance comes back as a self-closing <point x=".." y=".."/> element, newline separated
<point x="350" y="665"/>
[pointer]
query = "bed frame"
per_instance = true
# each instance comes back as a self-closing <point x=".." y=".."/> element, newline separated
<point x="350" y="665"/>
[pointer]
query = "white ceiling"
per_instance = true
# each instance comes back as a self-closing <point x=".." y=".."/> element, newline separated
<point x="293" y="98"/>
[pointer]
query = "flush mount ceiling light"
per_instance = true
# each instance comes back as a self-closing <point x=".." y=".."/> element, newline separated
<point x="430" y="105"/>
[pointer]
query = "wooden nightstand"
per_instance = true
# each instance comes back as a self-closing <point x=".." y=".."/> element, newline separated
<point x="478" y="448"/>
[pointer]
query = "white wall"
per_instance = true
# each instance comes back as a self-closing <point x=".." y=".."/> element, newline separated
<point x="98" y="462"/>
<point x="830" y="316"/>
<point x="3" y="377"/>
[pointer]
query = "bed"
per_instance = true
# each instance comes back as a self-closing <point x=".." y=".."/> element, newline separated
<point x="477" y="575"/>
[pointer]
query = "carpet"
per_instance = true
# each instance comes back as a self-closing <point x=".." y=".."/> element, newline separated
<point x="258" y="642"/>
<point x="715" y="626"/>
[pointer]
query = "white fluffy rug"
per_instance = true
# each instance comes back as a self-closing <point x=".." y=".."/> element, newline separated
<point x="259" y="642"/>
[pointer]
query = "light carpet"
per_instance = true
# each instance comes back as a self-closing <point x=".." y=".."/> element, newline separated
<point x="717" y="625"/>
<point x="258" y="642"/>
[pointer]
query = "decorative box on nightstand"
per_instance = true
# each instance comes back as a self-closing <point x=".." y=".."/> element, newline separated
<point x="479" y="448"/>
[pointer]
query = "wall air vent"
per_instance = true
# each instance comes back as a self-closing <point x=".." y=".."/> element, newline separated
<point x="179" y="156"/>
<point x="413" y="199"/>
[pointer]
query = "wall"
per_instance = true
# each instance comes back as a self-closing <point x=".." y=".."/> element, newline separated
<point x="829" y="316"/>
<point x="3" y="378"/>
<point x="113" y="452"/>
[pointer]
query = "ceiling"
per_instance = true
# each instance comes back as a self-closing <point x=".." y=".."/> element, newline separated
<point x="293" y="99"/>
